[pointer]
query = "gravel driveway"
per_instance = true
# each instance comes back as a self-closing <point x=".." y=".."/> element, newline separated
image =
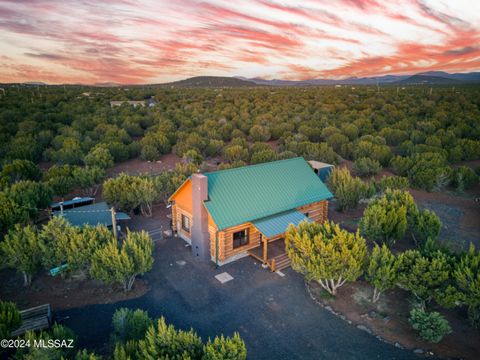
<point x="273" y="314"/>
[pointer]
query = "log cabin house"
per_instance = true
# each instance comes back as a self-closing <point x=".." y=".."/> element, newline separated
<point x="228" y="214"/>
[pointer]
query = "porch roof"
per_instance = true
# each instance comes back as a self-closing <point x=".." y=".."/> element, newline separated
<point x="274" y="225"/>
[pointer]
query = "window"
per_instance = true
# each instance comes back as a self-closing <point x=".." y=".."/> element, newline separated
<point x="185" y="223"/>
<point x="240" y="238"/>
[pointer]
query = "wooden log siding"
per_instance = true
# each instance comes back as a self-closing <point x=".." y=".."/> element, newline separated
<point x="318" y="211"/>
<point x="177" y="213"/>
<point x="225" y="241"/>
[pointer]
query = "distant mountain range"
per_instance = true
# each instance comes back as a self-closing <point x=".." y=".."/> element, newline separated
<point x="424" y="78"/>
<point x="429" y="77"/>
<point x="211" y="81"/>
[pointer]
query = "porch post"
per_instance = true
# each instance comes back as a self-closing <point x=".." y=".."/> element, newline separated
<point x="265" y="249"/>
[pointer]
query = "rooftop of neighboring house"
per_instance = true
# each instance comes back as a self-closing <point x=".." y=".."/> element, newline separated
<point x="131" y="102"/>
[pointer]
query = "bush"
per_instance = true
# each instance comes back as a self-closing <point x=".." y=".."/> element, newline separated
<point x="428" y="170"/>
<point x="348" y="190"/>
<point x="149" y="153"/>
<point x="130" y="324"/>
<point x="384" y="221"/>
<point x="366" y="167"/>
<point x="10" y="318"/>
<point x="326" y="253"/>
<point x="263" y="156"/>
<point x="100" y="157"/>
<point x="463" y="178"/>
<point x="431" y="326"/>
<point x="259" y="133"/>
<point x="392" y="182"/>
<point x="222" y="348"/>
<point x="426" y="225"/>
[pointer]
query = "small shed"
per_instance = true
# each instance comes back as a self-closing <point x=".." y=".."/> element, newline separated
<point x="322" y="169"/>
<point x="94" y="214"/>
<point x="70" y="204"/>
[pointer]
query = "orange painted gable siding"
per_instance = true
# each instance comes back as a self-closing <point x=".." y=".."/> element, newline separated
<point x="183" y="197"/>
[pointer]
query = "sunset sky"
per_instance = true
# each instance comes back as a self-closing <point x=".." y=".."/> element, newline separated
<point x="127" y="41"/>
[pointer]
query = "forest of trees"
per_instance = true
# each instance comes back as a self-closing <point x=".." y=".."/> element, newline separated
<point x="54" y="139"/>
<point x="416" y="133"/>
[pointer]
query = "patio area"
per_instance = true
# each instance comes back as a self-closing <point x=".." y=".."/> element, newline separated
<point x="273" y="254"/>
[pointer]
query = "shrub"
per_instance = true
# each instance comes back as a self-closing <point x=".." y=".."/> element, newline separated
<point x="467" y="278"/>
<point x="426" y="225"/>
<point x="192" y="157"/>
<point x="366" y="167"/>
<point x="149" y="153"/>
<point x="348" y="190"/>
<point x="163" y="341"/>
<point x="326" y="253"/>
<point x="222" y="348"/>
<point x="10" y="318"/>
<point x="384" y="221"/>
<point x="379" y="152"/>
<point x="236" y="153"/>
<point x="392" y="182"/>
<point x="425" y="276"/>
<point x="428" y="170"/>
<point x="100" y="157"/>
<point x="259" y="133"/>
<point x="381" y="270"/>
<point x="263" y="156"/>
<point x="431" y="326"/>
<point x="122" y="264"/>
<point x="463" y="178"/>
<point x="130" y="324"/>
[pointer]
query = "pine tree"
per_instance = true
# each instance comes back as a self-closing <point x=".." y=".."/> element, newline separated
<point x="326" y="253"/>
<point x="467" y="278"/>
<point x="348" y="190"/>
<point x="123" y="264"/>
<point x="427" y="225"/>
<point x="165" y="342"/>
<point x="10" y="318"/>
<point x="20" y="250"/>
<point x="423" y="275"/>
<point x="55" y="238"/>
<point x="222" y="348"/>
<point x="384" y="222"/>
<point x="381" y="271"/>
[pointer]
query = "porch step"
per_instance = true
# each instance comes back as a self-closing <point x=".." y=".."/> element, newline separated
<point x="282" y="262"/>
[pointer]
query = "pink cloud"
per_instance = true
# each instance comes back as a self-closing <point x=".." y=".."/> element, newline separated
<point x="136" y="42"/>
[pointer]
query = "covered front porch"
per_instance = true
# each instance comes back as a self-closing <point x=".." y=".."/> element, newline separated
<point x="271" y="253"/>
<point x="272" y="243"/>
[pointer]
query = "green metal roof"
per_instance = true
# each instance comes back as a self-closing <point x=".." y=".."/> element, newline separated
<point x="95" y="214"/>
<point x="274" y="225"/>
<point x="253" y="192"/>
